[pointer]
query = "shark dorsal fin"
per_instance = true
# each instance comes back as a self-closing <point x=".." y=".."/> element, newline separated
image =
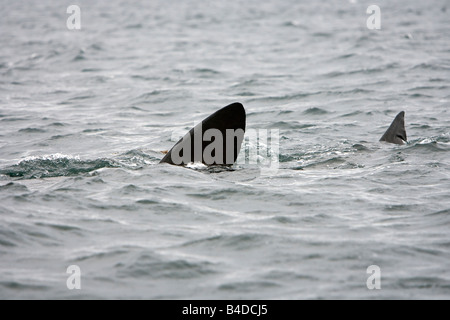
<point x="220" y="145"/>
<point x="396" y="132"/>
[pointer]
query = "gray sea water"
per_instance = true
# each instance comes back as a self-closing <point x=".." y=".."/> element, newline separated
<point x="85" y="113"/>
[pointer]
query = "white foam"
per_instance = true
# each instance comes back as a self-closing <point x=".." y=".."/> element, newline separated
<point x="55" y="156"/>
<point x="196" y="165"/>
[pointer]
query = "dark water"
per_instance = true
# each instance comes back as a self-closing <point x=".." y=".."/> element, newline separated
<point x="84" y="114"/>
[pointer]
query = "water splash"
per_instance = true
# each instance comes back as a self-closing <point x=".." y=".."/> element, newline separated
<point x="55" y="165"/>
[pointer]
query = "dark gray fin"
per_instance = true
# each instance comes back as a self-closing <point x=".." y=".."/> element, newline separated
<point x="396" y="132"/>
<point x="228" y="122"/>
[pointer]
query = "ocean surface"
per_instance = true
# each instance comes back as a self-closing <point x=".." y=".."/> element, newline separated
<point x="85" y="113"/>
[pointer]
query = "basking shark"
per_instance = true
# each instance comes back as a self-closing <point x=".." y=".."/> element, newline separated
<point x="216" y="140"/>
<point x="396" y="133"/>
